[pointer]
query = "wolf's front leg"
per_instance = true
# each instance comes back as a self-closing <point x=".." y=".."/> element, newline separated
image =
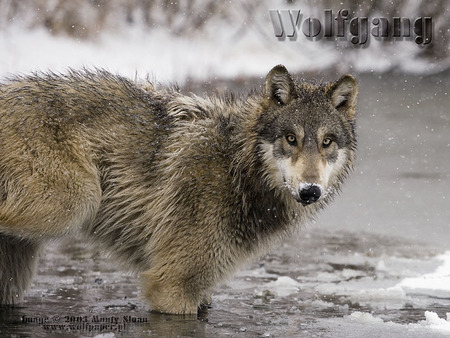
<point x="170" y="290"/>
<point x="18" y="258"/>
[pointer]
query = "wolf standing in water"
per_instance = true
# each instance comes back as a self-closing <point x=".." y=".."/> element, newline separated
<point x="180" y="189"/>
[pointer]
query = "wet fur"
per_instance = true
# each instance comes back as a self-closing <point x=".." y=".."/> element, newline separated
<point x="179" y="189"/>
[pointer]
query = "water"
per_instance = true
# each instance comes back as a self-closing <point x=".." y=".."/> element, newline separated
<point x="342" y="276"/>
<point x="401" y="183"/>
<point x="80" y="295"/>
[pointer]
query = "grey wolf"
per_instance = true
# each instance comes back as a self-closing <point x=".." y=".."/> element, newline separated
<point x="180" y="189"/>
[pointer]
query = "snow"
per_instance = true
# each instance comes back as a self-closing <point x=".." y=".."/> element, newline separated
<point x="435" y="323"/>
<point x="221" y="49"/>
<point x="135" y="51"/>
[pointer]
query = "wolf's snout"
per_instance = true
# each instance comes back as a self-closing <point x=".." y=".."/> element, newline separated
<point x="309" y="194"/>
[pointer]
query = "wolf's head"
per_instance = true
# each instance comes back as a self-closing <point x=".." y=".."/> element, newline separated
<point x="306" y="133"/>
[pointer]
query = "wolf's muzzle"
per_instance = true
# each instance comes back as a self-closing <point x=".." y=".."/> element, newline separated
<point x="309" y="194"/>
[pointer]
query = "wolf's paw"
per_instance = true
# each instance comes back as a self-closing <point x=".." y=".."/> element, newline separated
<point x="205" y="303"/>
<point x="169" y="296"/>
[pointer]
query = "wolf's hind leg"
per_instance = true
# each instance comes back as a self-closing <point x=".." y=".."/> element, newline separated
<point x="18" y="260"/>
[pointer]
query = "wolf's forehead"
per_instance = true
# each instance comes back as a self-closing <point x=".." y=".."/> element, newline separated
<point x="311" y="121"/>
<point x="306" y="114"/>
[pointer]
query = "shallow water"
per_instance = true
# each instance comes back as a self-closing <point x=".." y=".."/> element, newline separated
<point x="342" y="277"/>
<point x="320" y="277"/>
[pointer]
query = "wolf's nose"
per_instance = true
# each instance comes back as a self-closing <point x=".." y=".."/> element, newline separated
<point x="310" y="194"/>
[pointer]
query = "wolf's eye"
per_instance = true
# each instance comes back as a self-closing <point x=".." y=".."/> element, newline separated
<point x="291" y="139"/>
<point x="327" y="142"/>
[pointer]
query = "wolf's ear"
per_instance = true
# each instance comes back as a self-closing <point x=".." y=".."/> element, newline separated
<point x="279" y="86"/>
<point x="343" y="94"/>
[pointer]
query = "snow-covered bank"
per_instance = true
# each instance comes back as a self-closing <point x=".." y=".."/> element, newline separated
<point x="243" y="44"/>
<point x="156" y="53"/>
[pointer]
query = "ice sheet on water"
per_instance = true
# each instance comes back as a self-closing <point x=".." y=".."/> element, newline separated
<point x="432" y="321"/>
<point x="435" y="284"/>
<point x="391" y="295"/>
<point x="346" y="282"/>
<point x="373" y="280"/>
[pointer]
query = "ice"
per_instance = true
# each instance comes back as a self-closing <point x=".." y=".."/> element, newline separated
<point x="435" y="284"/>
<point x="283" y="286"/>
<point x="105" y="335"/>
<point x="365" y="318"/>
<point x="431" y="322"/>
<point x="383" y="294"/>
<point x="372" y="282"/>
<point x="320" y="304"/>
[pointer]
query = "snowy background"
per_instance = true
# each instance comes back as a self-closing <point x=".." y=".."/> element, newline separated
<point x="202" y="39"/>
<point x="376" y="263"/>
